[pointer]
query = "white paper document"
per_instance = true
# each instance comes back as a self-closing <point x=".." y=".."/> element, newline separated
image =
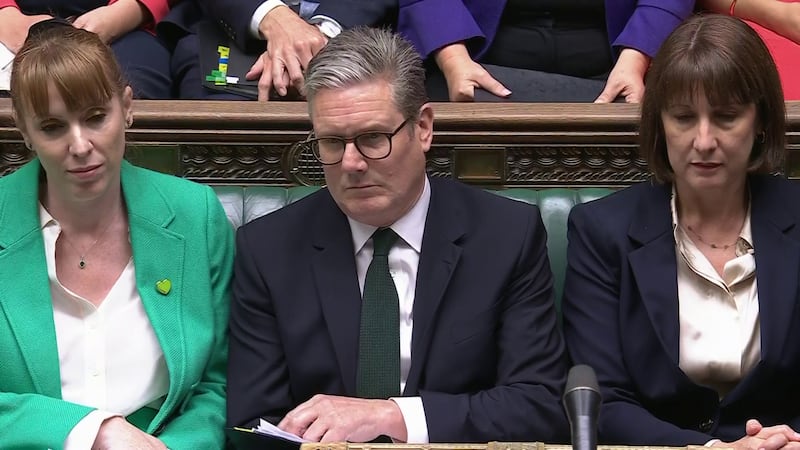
<point x="6" y="60"/>
<point x="269" y="429"/>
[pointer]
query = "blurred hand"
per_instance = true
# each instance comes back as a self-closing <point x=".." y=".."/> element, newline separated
<point x="626" y="78"/>
<point x="327" y="418"/>
<point x="116" y="433"/>
<point x="463" y="74"/>
<point x="759" y="437"/>
<point x="291" y="43"/>
<point x="14" y="27"/>
<point x="791" y="18"/>
<point x="113" y="21"/>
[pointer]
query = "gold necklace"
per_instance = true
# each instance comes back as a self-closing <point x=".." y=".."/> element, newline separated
<point x="722" y="247"/>
<point x="85" y="253"/>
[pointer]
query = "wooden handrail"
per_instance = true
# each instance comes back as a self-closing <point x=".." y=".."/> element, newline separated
<point x="496" y="144"/>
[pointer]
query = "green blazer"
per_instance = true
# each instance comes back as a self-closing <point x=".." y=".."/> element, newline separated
<point x="179" y="232"/>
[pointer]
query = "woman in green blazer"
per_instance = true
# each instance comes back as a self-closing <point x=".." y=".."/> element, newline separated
<point x="114" y="280"/>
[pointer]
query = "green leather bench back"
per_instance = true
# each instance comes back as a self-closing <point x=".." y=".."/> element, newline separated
<point x="243" y="204"/>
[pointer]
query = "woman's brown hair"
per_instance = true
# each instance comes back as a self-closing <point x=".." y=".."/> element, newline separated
<point x="724" y="59"/>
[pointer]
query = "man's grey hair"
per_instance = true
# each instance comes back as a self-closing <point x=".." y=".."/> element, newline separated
<point x="362" y="55"/>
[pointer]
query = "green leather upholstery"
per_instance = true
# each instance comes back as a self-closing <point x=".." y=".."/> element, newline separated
<point x="243" y="204"/>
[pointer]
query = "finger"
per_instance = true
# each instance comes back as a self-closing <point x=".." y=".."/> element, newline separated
<point x="317" y="431"/>
<point x="635" y="96"/>
<point x="299" y="419"/>
<point x="464" y="93"/>
<point x="609" y="94"/>
<point x="295" y="72"/>
<point x="256" y="69"/>
<point x="333" y="435"/>
<point x="291" y="424"/>
<point x="785" y="430"/>
<point x="752" y="427"/>
<point x="633" y="92"/>
<point x="774" y="442"/>
<point x="265" y="82"/>
<point x="487" y="82"/>
<point x="278" y="67"/>
<point x="306" y="52"/>
<point x="80" y="22"/>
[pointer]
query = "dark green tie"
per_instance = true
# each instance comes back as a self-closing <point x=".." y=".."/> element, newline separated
<point x="379" y="339"/>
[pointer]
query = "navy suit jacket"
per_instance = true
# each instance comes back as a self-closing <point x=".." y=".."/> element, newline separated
<point x="621" y="317"/>
<point x="234" y="16"/>
<point x="487" y="358"/>
<point x="432" y="24"/>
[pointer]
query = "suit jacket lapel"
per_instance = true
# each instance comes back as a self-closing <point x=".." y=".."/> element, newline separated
<point x="440" y="254"/>
<point x="653" y="266"/>
<point x="777" y="264"/>
<point x="334" y="271"/>
<point x="158" y="254"/>
<point x="25" y="296"/>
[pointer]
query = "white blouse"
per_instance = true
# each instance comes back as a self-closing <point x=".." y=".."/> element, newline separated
<point x="109" y="356"/>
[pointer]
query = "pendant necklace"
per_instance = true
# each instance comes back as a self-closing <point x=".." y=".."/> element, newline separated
<point x="85" y="253"/>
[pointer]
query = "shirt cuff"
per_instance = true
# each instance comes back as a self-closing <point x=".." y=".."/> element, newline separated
<point x="259" y="15"/>
<point x="84" y="433"/>
<point x="414" y="415"/>
<point x="711" y="442"/>
<point x="329" y="27"/>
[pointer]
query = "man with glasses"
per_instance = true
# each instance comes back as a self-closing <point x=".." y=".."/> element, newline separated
<point x="392" y="304"/>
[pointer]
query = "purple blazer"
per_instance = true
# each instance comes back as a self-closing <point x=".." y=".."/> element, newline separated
<point x="432" y="24"/>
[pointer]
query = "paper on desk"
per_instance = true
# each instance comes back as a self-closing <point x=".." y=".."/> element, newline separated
<point x="6" y="58"/>
<point x="269" y="429"/>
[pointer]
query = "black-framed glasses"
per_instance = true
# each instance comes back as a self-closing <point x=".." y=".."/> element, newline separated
<point x="371" y="145"/>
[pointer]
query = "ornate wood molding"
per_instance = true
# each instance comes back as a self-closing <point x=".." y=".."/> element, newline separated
<point x="497" y="144"/>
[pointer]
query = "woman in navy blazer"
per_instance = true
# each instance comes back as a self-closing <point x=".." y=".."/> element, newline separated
<point x="682" y="292"/>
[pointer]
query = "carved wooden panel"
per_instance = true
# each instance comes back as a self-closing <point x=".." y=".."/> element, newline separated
<point x="496" y="145"/>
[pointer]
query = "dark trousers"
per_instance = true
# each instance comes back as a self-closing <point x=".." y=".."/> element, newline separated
<point x="144" y="58"/>
<point x="542" y="59"/>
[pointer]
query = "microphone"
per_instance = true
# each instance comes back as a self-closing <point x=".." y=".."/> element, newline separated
<point x="582" y="404"/>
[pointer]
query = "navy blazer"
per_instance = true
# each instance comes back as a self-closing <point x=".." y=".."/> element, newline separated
<point x="487" y="358"/>
<point x="621" y="317"/>
<point x="233" y="16"/>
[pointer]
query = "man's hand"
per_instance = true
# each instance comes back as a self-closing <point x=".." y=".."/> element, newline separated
<point x="116" y="433"/>
<point x="626" y="78"/>
<point x="463" y="74"/>
<point x="291" y="43"/>
<point x="14" y="27"/>
<point x="759" y="437"/>
<point x="327" y="418"/>
<point x="113" y="21"/>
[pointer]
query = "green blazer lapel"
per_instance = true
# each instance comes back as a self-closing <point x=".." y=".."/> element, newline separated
<point x="158" y="255"/>
<point x="25" y="298"/>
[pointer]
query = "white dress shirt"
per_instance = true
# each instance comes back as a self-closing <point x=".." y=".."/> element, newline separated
<point x="720" y="332"/>
<point x="403" y="264"/>
<point x="327" y="25"/>
<point x="109" y="356"/>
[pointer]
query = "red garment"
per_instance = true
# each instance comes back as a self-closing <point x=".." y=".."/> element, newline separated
<point x="158" y="9"/>
<point x="786" y="54"/>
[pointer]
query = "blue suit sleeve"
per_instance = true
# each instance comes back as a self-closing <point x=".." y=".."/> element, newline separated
<point x="650" y="24"/>
<point x="433" y="24"/>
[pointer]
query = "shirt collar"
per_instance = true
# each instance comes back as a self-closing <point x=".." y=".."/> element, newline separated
<point x="410" y="227"/>
<point x="45" y="219"/>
